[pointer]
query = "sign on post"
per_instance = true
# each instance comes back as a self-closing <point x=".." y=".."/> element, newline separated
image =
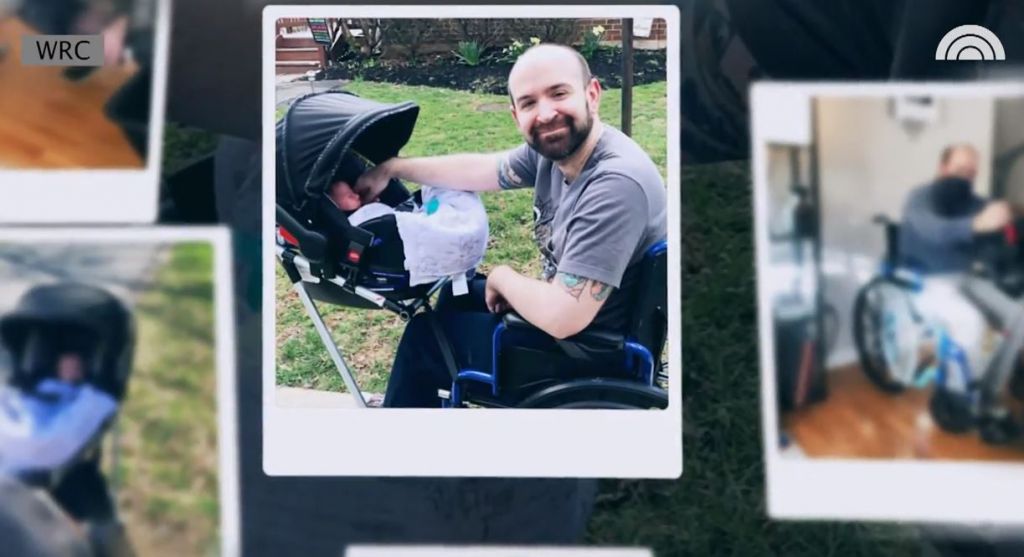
<point x="321" y="32"/>
<point x="642" y="26"/>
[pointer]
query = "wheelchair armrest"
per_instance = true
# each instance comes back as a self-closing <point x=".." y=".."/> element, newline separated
<point x="595" y="339"/>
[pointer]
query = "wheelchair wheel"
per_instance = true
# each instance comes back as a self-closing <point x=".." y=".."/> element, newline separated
<point x="951" y="411"/>
<point x="1017" y="383"/>
<point x="999" y="430"/>
<point x="868" y="333"/>
<point x="601" y="394"/>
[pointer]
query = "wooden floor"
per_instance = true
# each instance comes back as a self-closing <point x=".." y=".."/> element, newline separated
<point x="858" y="420"/>
<point x="49" y="122"/>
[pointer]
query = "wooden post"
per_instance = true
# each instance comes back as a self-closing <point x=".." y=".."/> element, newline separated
<point x="627" y="76"/>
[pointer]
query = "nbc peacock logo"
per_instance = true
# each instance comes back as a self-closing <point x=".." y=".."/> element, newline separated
<point x="970" y="42"/>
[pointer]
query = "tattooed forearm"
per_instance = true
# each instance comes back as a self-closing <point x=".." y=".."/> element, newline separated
<point x="575" y="285"/>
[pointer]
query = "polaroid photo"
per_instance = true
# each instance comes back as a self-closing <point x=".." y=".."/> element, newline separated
<point x="383" y="340"/>
<point x="82" y="87"/>
<point x="890" y="266"/>
<point x="117" y="381"/>
<point x="491" y="551"/>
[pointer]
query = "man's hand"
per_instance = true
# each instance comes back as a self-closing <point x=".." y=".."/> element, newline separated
<point x="372" y="183"/>
<point x="995" y="216"/>
<point x="496" y="302"/>
<point x="561" y="308"/>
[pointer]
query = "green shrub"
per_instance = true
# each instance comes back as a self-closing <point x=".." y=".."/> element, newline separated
<point x="469" y="53"/>
<point x="513" y="51"/>
<point x="591" y="42"/>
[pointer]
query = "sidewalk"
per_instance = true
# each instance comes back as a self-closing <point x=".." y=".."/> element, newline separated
<point x="294" y="397"/>
<point x="123" y="269"/>
<point x="287" y="90"/>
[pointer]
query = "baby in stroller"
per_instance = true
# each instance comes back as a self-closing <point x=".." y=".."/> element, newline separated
<point x="70" y="348"/>
<point x="390" y="246"/>
<point x="348" y="201"/>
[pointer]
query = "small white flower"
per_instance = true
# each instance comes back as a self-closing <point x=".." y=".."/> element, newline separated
<point x="599" y="30"/>
<point x="535" y="40"/>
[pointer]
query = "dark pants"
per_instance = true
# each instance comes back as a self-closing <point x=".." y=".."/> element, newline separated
<point x="420" y="369"/>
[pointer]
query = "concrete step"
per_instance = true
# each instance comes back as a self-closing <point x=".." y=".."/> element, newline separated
<point x="295" y="42"/>
<point x="299" y="55"/>
<point x="300" y="64"/>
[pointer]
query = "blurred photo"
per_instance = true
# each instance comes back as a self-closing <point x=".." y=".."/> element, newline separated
<point x="108" y="382"/>
<point x="896" y="277"/>
<point x="77" y="117"/>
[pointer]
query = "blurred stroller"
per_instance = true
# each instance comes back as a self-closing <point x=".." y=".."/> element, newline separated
<point x="326" y="137"/>
<point x="71" y="349"/>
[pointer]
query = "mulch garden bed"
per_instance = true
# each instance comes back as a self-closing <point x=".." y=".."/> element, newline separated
<point x="491" y="75"/>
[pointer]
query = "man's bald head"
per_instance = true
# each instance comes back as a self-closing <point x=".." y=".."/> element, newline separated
<point x="548" y="55"/>
<point x="959" y="159"/>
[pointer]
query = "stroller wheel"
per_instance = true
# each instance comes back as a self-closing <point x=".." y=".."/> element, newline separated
<point x="951" y="411"/>
<point x="999" y="429"/>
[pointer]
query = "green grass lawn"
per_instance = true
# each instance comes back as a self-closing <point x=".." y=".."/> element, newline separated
<point x="168" y="427"/>
<point x="449" y="122"/>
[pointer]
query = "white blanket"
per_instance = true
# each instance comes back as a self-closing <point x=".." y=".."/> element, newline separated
<point x="445" y="237"/>
<point x="45" y="429"/>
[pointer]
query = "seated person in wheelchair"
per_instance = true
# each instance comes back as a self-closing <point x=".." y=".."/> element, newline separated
<point x="599" y="204"/>
<point x="939" y="224"/>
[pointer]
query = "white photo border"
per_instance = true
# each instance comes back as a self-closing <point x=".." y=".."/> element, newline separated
<point x="97" y="196"/>
<point x="507" y="442"/>
<point x="227" y="421"/>
<point x="492" y="551"/>
<point x="863" y="489"/>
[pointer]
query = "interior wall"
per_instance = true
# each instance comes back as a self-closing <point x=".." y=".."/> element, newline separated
<point x="869" y="161"/>
<point x="1009" y="133"/>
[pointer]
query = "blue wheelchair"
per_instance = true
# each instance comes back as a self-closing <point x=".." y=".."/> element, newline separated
<point x="328" y="136"/>
<point x="899" y="347"/>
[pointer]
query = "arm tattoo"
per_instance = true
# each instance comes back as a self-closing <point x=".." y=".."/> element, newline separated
<point x="574" y="285"/>
<point x="599" y="290"/>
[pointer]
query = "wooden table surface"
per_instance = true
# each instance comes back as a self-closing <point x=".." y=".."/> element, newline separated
<point x="49" y="122"/>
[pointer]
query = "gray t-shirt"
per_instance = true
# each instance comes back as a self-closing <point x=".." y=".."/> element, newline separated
<point x="934" y="243"/>
<point x="601" y="224"/>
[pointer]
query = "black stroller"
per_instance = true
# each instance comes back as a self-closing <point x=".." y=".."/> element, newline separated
<point x="48" y="322"/>
<point x="332" y="136"/>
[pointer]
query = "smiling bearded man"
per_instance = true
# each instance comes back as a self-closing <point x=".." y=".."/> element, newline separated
<point x="599" y="204"/>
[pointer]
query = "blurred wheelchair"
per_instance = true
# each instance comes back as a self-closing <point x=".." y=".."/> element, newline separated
<point x="901" y="347"/>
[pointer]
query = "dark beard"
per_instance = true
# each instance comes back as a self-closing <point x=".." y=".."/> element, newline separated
<point x="951" y="197"/>
<point x="564" y="148"/>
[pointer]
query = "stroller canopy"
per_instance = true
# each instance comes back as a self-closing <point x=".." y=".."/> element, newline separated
<point x="320" y="129"/>
<point x="53" y="319"/>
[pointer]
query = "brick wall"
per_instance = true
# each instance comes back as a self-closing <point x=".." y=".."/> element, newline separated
<point x="446" y="33"/>
<point x="613" y="29"/>
<point x="503" y="31"/>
